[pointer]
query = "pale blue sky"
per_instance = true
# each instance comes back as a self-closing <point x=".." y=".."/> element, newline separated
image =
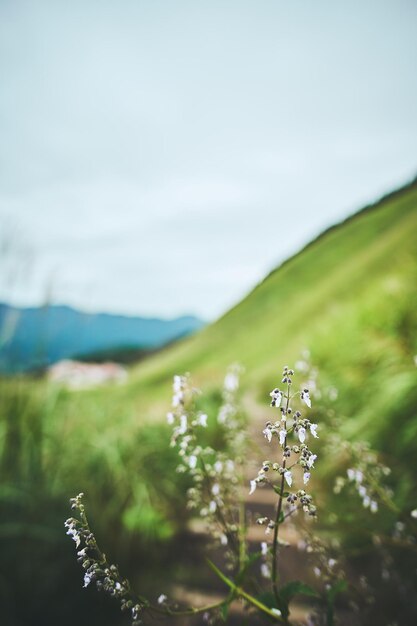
<point x="161" y="156"/>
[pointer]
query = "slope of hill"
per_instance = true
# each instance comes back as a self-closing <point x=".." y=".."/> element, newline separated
<point x="347" y="295"/>
<point x="350" y="298"/>
<point x="35" y="337"/>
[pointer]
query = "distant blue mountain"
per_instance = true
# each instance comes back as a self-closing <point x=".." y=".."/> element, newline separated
<point x="36" y="337"/>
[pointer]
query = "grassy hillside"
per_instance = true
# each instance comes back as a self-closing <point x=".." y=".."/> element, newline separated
<point x="350" y="297"/>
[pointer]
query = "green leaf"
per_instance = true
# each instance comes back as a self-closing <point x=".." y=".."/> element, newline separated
<point x="268" y="599"/>
<point x="292" y="589"/>
<point x="224" y="611"/>
<point x="331" y="594"/>
<point x="338" y="587"/>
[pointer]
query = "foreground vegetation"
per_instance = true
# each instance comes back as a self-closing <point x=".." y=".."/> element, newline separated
<point x="350" y="297"/>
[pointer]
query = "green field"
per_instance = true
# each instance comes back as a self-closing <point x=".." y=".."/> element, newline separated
<point x="349" y="297"/>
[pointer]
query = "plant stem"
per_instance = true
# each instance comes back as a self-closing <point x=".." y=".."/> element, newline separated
<point x="242" y="535"/>
<point x="189" y="611"/>
<point x="238" y="591"/>
<point x="279" y="509"/>
<point x="275" y="542"/>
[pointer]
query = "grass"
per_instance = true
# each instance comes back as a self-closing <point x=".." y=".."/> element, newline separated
<point x="349" y="297"/>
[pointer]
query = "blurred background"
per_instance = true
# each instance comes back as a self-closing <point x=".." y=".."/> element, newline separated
<point x="182" y="187"/>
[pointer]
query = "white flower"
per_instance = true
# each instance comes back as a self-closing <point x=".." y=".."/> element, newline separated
<point x="317" y="571"/>
<point x="276" y="396"/>
<point x="265" y="571"/>
<point x="288" y="478"/>
<point x="87" y="579"/>
<point x="222" y="416"/>
<point x="331" y="563"/>
<point x="276" y="612"/>
<point x="310" y="460"/>
<point x="192" y="461"/>
<point x="230" y="466"/>
<point x="215" y="490"/>
<point x="268" y="434"/>
<point x="177" y="398"/>
<point x="264" y="548"/>
<point x="282" y="437"/>
<point x="362" y="491"/>
<point x="118" y="586"/>
<point x="351" y="473"/>
<point x="358" y="476"/>
<point x="223" y="539"/>
<point x="183" y="425"/>
<point x="231" y="382"/>
<point x="74" y="534"/>
<point x="202" y="420"/>
<point x="313" y="430"/>
<point x="305" y="397"/>
<point x="374" y="506"/>
<point x="218" y="466"/>
<point x="162" y="599"/>
<point x="177" y="384"/>
<point x="253" y="485"/>
<point x="302" y="434"/>
<point x="306" y="477"/>
<point x="170" y="418"/>
<point x="366" y="501"/>
<point x="212" y="506"/>
<point x="414" y="513"/>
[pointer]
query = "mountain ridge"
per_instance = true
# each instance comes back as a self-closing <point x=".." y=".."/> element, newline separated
<point x="33" y="337"/>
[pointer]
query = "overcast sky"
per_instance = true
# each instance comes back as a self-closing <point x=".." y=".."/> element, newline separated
<point x="159" y="157"/>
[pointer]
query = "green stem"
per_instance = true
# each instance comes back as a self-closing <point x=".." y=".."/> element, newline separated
<point x="275" y="542"/>
<point x="189" y="611"/>
<point x="242" y="535"/>
<point x="243" y="594"/>
<point x="279" y="509"/>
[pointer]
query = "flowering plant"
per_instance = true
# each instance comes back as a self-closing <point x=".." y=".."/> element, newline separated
<point x="219" y="496"/>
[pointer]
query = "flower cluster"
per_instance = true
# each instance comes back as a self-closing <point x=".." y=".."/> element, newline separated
<point x="96" y="568"/>
<point x="217" y="495"/>
<point x="367" y="475"/>
<point x="290" y="425"/>
<point x="214" y="493"/>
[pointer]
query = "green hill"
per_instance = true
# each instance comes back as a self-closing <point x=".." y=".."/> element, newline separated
<point x="349" y="297"/>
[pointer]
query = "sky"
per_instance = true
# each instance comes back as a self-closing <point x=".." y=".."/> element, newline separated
<point x="160" y="157"/>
